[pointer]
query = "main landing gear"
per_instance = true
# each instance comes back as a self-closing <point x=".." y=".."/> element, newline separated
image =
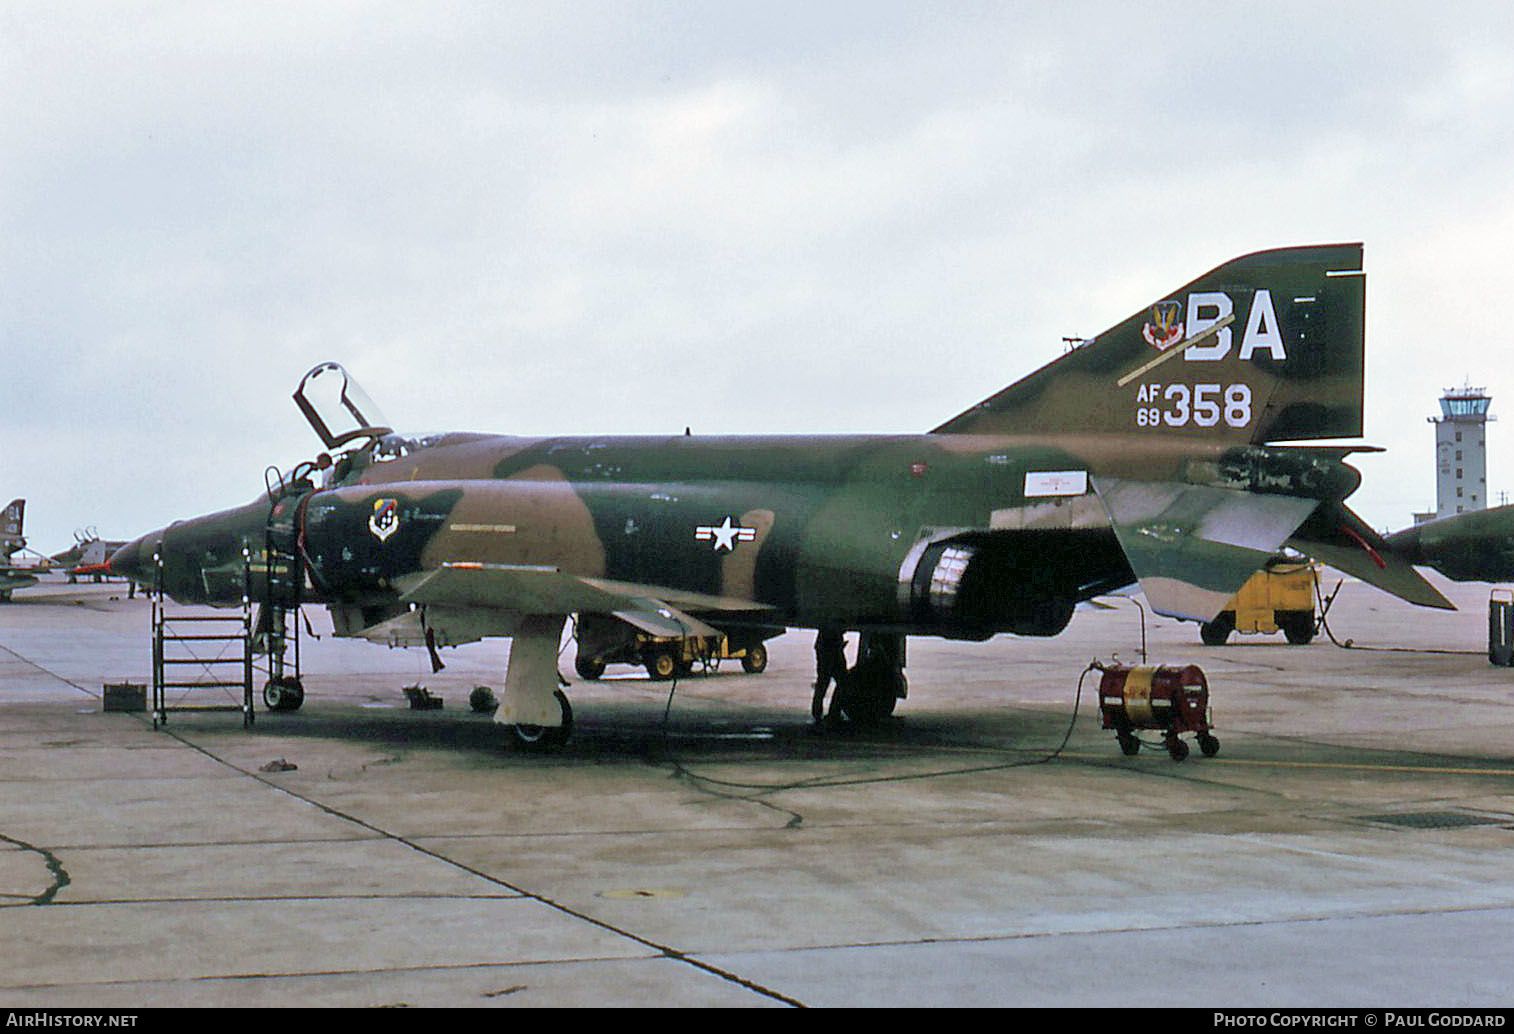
<point x="869" y="691"/>
<point x="533" y="707"/>
<point x="546" y="737"/>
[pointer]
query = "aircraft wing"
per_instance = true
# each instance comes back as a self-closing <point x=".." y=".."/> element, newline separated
<point x="530" y="589"/>
<point x="1194" y="546"/>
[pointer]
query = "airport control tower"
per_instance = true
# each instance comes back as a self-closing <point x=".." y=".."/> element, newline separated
<point x="1461" y="452"/>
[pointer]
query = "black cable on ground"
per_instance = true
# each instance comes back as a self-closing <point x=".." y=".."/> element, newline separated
<point x="1350" y="644"/>
<point x="762" y="789"/>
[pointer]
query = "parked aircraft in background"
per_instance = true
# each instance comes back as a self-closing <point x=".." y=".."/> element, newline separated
<point x="14" y="576"/>
<point x="87" y="556"/>
<point x="1477" y="546"/>
<point x="1142" y="455"/>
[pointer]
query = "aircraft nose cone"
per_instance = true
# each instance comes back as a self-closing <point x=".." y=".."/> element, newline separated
<point x="131" y="561"/>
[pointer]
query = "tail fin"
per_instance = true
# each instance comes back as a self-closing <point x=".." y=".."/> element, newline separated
<point x="11" y="519"/>
<point x="1268" y="347"/>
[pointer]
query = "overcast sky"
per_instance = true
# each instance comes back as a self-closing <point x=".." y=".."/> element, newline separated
<point x="631" y="217"/>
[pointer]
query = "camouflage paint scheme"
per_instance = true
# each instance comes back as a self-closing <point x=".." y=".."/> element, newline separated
<point x="12" y="576"/>
<point x="1466" y="547"/>
<point x="1139" y="455"/>
<point x="86" y="556"/>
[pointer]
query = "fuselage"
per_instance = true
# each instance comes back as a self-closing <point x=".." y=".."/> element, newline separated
<point x="1477" y="546"/>
<point x="803" y="530"/>
<point x="787" y="530"/>
<point x="958" y="535"/>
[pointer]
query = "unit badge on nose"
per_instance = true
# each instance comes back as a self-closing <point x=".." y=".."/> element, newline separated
<point x="725" y="535"/>
<point x="386" y="518"/>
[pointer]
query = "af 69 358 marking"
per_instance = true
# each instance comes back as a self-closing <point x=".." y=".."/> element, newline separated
<point x="1202" y="405"/>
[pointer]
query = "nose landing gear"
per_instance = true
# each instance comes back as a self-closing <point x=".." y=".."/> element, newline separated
<point x="283" y="693"/>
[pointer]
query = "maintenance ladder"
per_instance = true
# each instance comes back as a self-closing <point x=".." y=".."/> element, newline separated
<point x="198" y="652"/>
<point x="218" y="649"/>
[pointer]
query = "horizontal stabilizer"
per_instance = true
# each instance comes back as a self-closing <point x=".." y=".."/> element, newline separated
<point x="15" y="578"/>
<point x="1336" y="536"/>
<point x="1194" y="546"/>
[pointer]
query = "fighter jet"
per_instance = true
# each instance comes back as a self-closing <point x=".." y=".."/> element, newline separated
<point x="14" y="576"/>
<point x="1147" y="453"/>
<point x="86" y="557"/>
<point x="1477" y="546"/>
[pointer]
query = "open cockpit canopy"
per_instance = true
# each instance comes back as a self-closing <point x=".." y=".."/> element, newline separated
<point x="338" y="409"/>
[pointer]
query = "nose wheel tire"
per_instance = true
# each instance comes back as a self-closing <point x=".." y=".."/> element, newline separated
<point x="283" y="694"/>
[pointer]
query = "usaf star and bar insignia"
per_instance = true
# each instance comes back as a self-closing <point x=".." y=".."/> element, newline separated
<point x="724" y="535"/>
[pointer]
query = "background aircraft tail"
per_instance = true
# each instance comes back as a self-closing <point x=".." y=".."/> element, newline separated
<point x="11" y="519"/>
<point x="1265" y="348"/>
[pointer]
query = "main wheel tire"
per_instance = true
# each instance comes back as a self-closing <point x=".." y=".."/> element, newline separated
<point x="547" y="737"/>
<point x="588" y="668"/>
<point x="755" y="660"/>
<point x="867" y="695"/>
<point x="1177" y="748"/>
<point x="1208" y="744"/>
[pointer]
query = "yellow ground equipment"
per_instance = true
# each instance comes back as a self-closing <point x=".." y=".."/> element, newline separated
<point x="602" y="641"/>
<point x="1279" y="597"/>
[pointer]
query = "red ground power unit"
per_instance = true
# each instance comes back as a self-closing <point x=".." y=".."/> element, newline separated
<point x="1171" y="701"/>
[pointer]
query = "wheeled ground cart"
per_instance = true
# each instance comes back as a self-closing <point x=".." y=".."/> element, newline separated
<point x="604" y="640"/>
<point x="1278" y="598"/>
<point x="1172" y="701"/>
